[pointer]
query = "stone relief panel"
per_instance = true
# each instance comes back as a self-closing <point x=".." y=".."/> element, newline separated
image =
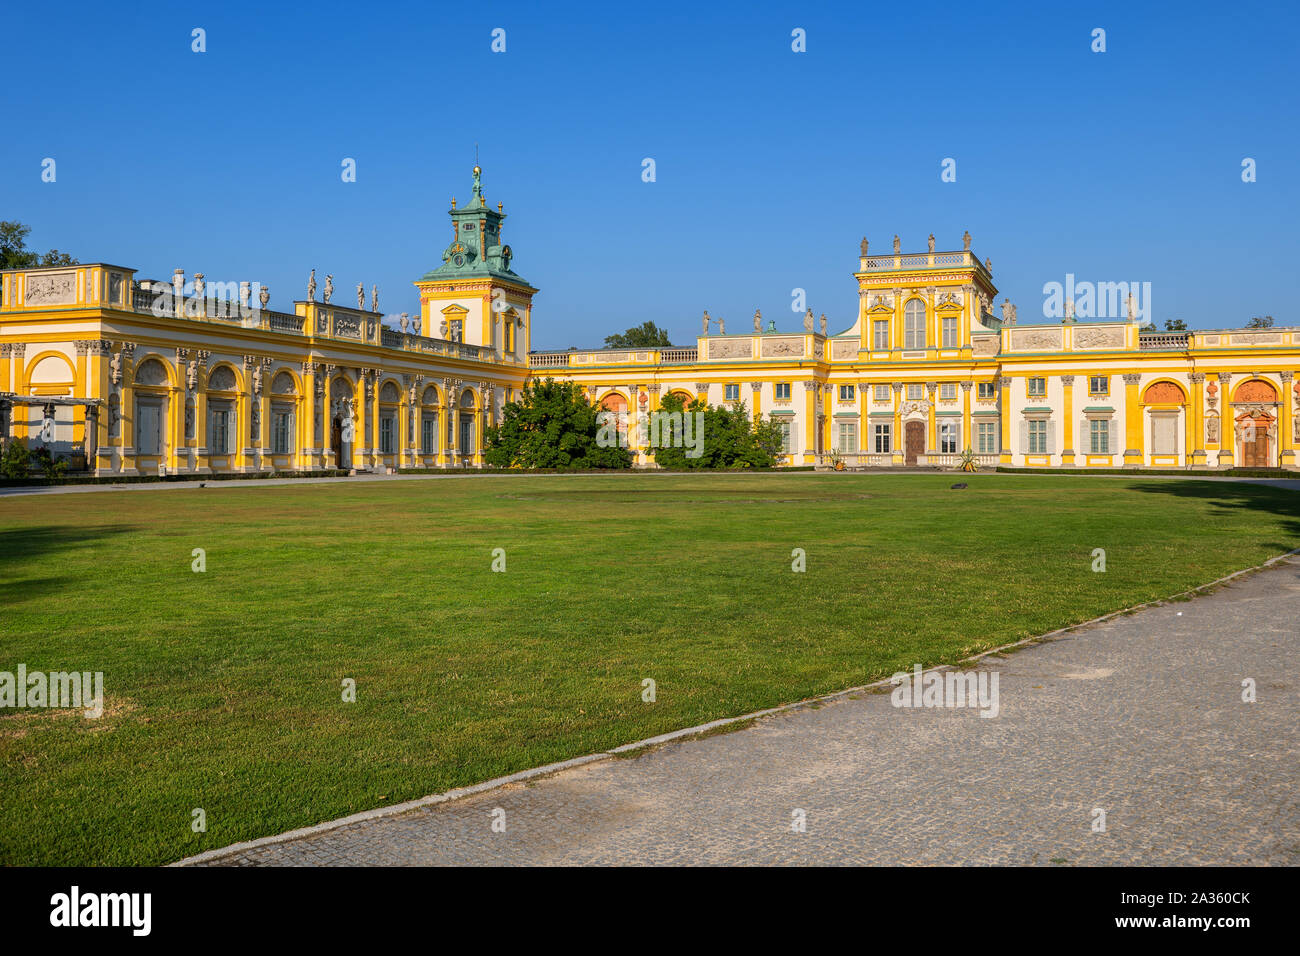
<point x="1037" y="340"/>
<point x="730" y="348"/>
<point x="51" y="288"/>
<point x="151" y="372"/>
<point x="773" y="347"/>
<point x="844" y="349"/>
<point x="222" y="379"/>
<point x="1257" y="338"/>
<point x="983" y="346"/>
<point x="1104" y="338"/>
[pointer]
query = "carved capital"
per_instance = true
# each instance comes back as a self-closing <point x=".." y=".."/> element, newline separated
<point x="1067" y="380"/>
<point x="1132" y="378"/>
<point x="1197" y="378"/>
<point x="966" y="386"/>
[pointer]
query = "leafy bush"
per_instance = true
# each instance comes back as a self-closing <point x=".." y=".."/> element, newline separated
<point x="551" y="426"/>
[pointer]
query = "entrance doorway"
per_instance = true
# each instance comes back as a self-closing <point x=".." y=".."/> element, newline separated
<point x="1256" y="450"/>
<point x="913" y="442"/>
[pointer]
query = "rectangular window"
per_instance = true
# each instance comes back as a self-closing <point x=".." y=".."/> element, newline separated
<point x="787" y="445"/>
<point x="948" y="438"/>
<point x="280" y="432"/>
<point x="1037" y="387"/>
<point x="988" y="438"/>
<point x="428" y="434"/>
<point x="1098" y="384"/>
<point x="913" y="392"/>
<point x="949" y="330"/>
<point x="846" y="393"/>
<point x="219" y="433"/>
<point x="1037" y="436"/>
<point x="881" y="435"/>
<point x="1099" y="436"/>
<point x="387" y="425"/>
<point x="847" y="438"/>
<point x="880" y="331"/>
<point x="948" y="391"/>
<point x="731" y="393"/>
<point x="783" y="391"/>
<point x="986" y="390"/>
<point x="882" y="393"/>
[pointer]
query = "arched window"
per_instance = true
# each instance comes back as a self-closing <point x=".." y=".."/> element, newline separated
<point x="914" y="324"/>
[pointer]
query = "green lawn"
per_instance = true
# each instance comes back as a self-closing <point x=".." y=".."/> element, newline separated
<point x="223" y="688"/>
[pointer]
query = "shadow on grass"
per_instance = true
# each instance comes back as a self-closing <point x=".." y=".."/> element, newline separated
<point x="24" y="551"/>
<point x="1229" y="496"/>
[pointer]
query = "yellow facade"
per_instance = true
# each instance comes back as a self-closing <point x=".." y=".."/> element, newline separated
<point x="140" y="380"/>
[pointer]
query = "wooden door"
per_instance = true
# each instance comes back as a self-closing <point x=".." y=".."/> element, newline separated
<point x="914" y="445"/>
<point x="1256" y="453"/>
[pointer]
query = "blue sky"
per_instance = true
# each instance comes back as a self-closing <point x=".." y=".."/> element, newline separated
<point x="771" y="165"/>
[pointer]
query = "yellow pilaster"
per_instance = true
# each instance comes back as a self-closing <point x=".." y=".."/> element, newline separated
<point x="896" y="433"/>
<point x="176" y="426"/>
<point x="828" y="399"/>
<point x="1195" y="421"/>
<point x="1286" y="439"/>
<point x="967" y="439"/>
<point x="126" y="427"/>
<point x="306" y="417"/>
<point x="201" y="462"/>
<point x="810" y="422"/>
<point x="1134" y="454"/>
<point x="1067" y="428"/>
<point x="1004" y="405"/>
<point x="931" y="424"/>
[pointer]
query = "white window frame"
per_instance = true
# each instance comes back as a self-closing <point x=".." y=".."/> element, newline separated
<point x="882" y="439"/>
<point x="948" y="438"/>
<point x="914" y="324"/>
<point x="880" y="333"/>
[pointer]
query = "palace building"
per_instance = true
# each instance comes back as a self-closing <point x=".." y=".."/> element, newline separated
<point x="131" y="376"/>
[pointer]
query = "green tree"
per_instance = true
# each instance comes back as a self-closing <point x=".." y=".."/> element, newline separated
<point x="14" y="253"/>
<point x="551" y="426"/>
<point x="731" y="438"/>
<point x="1175" y="325"/>
<point x="1260" y="322"/>
<point x="644" y="336"/>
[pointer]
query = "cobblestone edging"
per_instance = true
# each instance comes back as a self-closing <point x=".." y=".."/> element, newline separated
<point x="209" y="856"/>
